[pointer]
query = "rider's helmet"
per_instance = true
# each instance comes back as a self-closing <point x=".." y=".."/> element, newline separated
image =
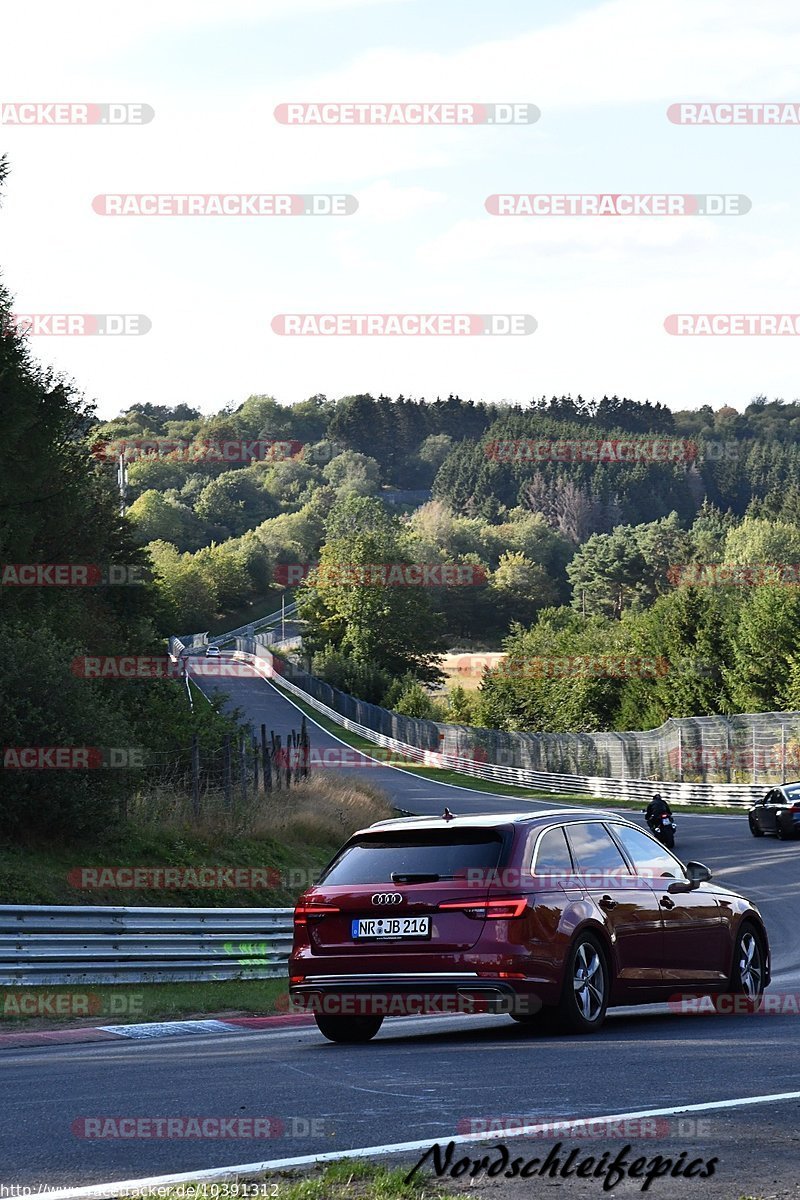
<point x="656" y="797"/>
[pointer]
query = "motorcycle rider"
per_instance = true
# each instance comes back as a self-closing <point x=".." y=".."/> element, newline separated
<point x="657" y="807"/>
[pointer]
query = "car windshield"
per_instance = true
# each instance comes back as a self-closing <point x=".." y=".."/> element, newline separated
<point x="423" y="856"/>
<point x="792" y="792"/>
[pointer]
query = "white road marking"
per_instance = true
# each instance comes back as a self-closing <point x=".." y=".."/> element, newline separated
<point x="153" y="1029"/>
<point x="103" y="1191"/>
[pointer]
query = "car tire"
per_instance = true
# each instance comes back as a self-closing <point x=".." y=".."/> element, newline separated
<point x="754" y="829"/>
<point x="749" y="967"/>
<point x="350" y="1030"/>
<point x="780" y="832"/>
<point x="668" y="838"/>
<point x="587" y="983"/>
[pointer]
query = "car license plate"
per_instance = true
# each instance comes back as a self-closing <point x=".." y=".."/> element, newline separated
<point x="392" y="927"/>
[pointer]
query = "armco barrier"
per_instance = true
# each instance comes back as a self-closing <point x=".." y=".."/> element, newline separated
<point x="637" y="791"/>
<point x="57" y="944"/>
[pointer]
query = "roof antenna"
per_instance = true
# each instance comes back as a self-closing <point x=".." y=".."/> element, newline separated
<point x="447" y="815"/>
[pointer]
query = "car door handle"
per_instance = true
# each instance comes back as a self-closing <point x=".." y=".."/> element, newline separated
<point x="607" y="902"/>
<point x="666" y="902"/>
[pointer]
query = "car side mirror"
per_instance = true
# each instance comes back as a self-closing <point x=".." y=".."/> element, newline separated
<point x="698" y="873"/>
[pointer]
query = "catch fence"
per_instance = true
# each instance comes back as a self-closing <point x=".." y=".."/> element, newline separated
<point x="747" y="750"/>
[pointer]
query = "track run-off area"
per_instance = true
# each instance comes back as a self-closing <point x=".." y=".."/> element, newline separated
<point x="706" y="1086"/>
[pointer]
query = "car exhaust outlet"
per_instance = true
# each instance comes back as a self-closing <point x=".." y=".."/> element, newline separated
<point x="484" y="999"/>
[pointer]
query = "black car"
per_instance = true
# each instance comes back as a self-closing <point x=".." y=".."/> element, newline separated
<point x="778" y="812"/>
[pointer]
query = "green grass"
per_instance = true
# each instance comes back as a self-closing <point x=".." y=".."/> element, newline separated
<point x="344" y="1180"/>
<point x="441" y="775"/>
<point x="38" y="874"/>
<point x="92" y="1004"/>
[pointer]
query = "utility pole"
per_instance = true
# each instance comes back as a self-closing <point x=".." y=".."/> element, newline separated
<point x="122" y="482"/>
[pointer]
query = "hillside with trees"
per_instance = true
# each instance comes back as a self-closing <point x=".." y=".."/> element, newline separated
<point x="576" y="558"/>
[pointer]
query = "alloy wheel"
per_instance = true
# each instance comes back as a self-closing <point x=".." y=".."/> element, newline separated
<point x="588" y="982"/>
<point x="751" y="968"/>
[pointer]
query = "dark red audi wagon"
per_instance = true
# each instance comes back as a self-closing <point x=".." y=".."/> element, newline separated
<point x="550" y="917"/>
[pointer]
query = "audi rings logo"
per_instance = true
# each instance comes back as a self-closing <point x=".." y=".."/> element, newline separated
<point x="387" y="898"/>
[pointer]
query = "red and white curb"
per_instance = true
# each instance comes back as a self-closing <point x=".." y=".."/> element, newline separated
<point x="151" y="1029"/>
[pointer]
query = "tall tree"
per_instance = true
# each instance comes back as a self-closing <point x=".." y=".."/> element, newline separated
<point x="390" y="625"/>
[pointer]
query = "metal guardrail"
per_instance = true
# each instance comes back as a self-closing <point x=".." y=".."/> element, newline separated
<point x="636" y="791"/>
<point x="56" y="944"/>
<point x="254" y="627"/>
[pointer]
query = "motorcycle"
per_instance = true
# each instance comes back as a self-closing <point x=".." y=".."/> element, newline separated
<point x="663" y="827"/>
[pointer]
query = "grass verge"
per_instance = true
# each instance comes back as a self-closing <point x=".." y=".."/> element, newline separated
<point x="30" y="1009"/>
<point x="283" y="838"/>
<point x="261" y="858"/>
<point x="441" y="775"/>
<point x="345" y="1180"/>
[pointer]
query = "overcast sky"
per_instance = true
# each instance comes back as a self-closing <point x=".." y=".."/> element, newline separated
<point x="602" y="72"/>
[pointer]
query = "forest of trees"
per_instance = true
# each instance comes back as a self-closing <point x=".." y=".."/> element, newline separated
<point x="578" y="557"/>
<point x="58" y="507"/>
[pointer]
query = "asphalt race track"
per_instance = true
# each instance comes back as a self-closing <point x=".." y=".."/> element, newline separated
<point x="424" y="1079"/>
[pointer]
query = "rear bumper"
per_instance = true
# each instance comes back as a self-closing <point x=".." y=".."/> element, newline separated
<point x="414" y="995"/>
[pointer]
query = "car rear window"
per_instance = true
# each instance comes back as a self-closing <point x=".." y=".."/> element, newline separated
<point x="374" y="858"/>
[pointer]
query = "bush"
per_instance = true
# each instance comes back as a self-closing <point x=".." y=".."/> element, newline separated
<point x="364" y="680"/>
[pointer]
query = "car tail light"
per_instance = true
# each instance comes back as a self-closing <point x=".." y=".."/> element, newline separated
<point x="795" y="808"/>
<point x="488" y="910"/>
<point x="303" y="912"/>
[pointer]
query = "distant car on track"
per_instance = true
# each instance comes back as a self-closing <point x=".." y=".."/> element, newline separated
<point x="551" y="917"/>
<point x="778" y="812"/>
<point x="213" y="652"/>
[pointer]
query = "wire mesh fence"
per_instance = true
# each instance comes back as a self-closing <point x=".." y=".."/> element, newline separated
<point x="236" y="771"/>
<point x="743" y="748"/>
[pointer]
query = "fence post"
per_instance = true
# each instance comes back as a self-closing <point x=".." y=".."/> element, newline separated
<point x="226" y="771"/>
<point x="306" y="747"/>
<point x="254" y="747"/>
<point x="755" y="770"/>
<point x="783" y="753"/>
<point x="277" y="759"/>
<point x="728" y="752"/>
<point x="680" y="754"/>
<point x="243" y="770"/>
<point x="266" y="768"/>
<point x="195" y="777"/>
